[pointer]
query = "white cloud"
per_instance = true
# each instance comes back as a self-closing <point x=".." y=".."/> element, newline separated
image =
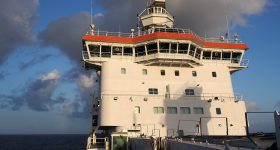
<point x="86" y="81"/>
<point x="252" y="106"/>
<point x="53" y="75"/>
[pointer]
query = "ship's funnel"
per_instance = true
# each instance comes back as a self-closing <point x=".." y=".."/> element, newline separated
<point x="156" y="16"/>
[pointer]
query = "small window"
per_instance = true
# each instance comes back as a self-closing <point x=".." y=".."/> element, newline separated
<point x="194" y="73"/>
<point x="123" y="71"/>
<point x="189" y="92"/>
<point x="153" y="91"/>
<point x="137" y="109"/>
<point x="117" y="51"/>
<point x="185" y="110"/>
<point x="144" y="71"/>
<point x="218" y="111"/>
<point x="177" y="73"/>
<point x="172" y="110"/>
<point x="214" y="74"/>
<point x="158" y="110"/>
<point x="198" y="110"/>
<point x="162" y="72"/>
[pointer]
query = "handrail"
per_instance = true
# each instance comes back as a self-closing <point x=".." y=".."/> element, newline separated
<point x="161" y="29"/>
<point x="202" y="96"/>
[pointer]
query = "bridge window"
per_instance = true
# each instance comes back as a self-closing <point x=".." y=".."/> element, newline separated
<point x="198" y="110"/>
<point x="152" y="48"/>
<point x="192" y="50"/>
<point x="183" y="48"/>
<point x="226" y="55"/>
<point x="173" y="48"/>
<point x="127" y="51"/>
<point x="153" y="91"/>
<point x="177" y="73"/>
<point x="218" y="111"/>
<point x="172" y="110"/>
<point x="189" y="92"/>
<point x="94" y="50"/>
<point x="216" y="55"/>
<point x="185" y="110"/>
<point x="117" y="51"/>
<point x="140" y="51"/>
<point x="236" y="57"/>
<point x="158" y="110"/>
<point x="105" y="51"/>
<point x="206" y="54"/>
<point x="164" y="47"/>
<point x="198" y="53"/>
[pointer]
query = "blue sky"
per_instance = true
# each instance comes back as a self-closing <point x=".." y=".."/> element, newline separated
<point x="45" y="59"/>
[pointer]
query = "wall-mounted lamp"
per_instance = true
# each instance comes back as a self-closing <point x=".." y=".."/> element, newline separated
<point x="116" y="98"/>
<point x="145" y="99"/>
<point x="209" y="100"/>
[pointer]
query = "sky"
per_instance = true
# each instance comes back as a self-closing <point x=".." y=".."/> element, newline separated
<point x="44" y="89"/>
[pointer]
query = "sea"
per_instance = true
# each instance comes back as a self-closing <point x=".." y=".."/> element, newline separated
<point x="43" y="142"/>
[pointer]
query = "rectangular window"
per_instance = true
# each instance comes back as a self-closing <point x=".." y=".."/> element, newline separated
<point x="144" y="71"/>
<point x="194" y="74"/>
<point x="140" y="51"/>
<point x="153" y="91"/>
<point x="117" y="51"/>
<point x="218" y="111"/>
<point x="172" y="110"/>
<point x="158" y="110"/>
<point x="162" y="72"/>
<point x="123" y="71"/>
<point x="207" y="55"/>
<point x="137" y="109"/>
<point x="185" y="110"/>
<point x="177" y="73"/>
<point x="127" y="51"/>
<point x="189" y="92"/>
<point x="198" y="110"/>
<point x="214" y="74"/>
<point x="105" y="51"/>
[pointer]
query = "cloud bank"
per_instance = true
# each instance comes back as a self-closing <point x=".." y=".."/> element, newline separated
<point x="202" y="16"/>
<point x="17" y="20"/>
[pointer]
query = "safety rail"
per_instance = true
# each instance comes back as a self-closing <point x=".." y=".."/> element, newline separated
<point x="98" y="143"/>
<point x="204" y="96"/>
<point x="165" y="30"/>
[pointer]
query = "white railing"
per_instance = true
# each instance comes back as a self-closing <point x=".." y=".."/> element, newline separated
<point x="166" y="30"/>
<point x="180" y="96"/>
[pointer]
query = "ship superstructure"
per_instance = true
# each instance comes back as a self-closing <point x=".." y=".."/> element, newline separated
<point x="163" y="81"/>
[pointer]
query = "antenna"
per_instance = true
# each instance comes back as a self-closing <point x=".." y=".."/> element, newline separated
<point x="227" y="21"/>
<point x="91" y="16"/>
<point x="92" y="26"/>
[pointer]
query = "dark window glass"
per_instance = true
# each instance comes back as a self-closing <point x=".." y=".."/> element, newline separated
<point x="189" y="92"/>
<point x="94" y="50"/>
<point x="105" y="51"/>
<point x="173" y="48"/>
<point x="218" y="111"/>
<point x="214" y="74"/>
<point x="164" y="47"/>
<point x="192" y="50"/>
<point x="216" y="55"/>
<point x="153" y="91"/>
<point x="198" y="110"/>
<point x="152" y="48"/>
<point x="183" y="48"/>
<point x="206" y="54"/>
<point x="177" y="73"/>
<point x="198" y="53"/>
<point x="140" y="51"/>
<point x="162" y="72"/>
<point x="194" y="74"/>
<point x="226" y="55"/>
<point x="117" y="51"/>
<point x="127" y="51"/>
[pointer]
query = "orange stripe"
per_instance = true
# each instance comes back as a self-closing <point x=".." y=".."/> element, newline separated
<point x="164" y="35"/>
